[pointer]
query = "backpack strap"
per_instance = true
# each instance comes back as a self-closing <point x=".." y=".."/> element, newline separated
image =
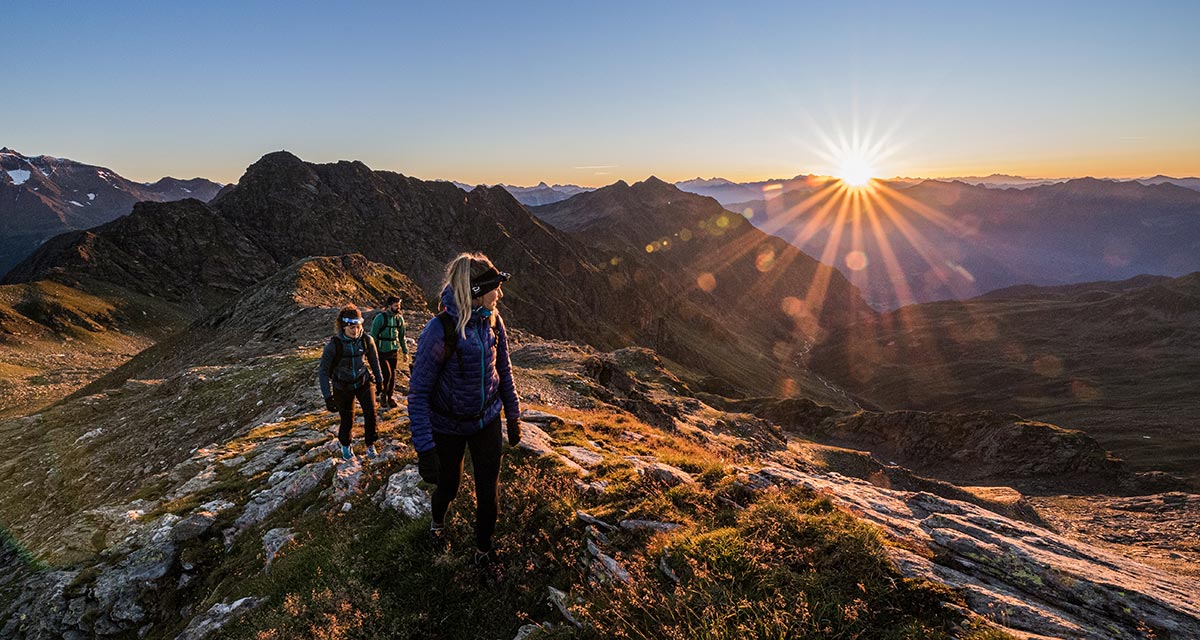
<point x="449" y="334"/>
<point x="337" y="354"/>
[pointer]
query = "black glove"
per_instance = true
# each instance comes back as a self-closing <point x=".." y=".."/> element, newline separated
<point x="330" y="405"/>
<point x="427" y="466"/>
<point x="514" y="432"/>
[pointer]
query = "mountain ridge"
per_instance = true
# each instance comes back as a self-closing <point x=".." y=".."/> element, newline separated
<point x="43" y="196"/>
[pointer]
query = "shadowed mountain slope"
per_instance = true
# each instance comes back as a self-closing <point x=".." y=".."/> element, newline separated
<point x="1117" y="360"/>
<point x="43" y="196"/>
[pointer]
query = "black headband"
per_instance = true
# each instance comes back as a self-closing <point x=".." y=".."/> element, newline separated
<point x="487" y="281"/>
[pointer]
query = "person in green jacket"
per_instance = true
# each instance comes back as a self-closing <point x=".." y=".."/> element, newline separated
<point x="388" y="331"/>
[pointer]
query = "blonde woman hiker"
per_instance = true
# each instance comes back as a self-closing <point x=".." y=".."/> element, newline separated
<point x="387" y="328"/>
<point x="349" y="365"/>
<point x="461" y="380"/>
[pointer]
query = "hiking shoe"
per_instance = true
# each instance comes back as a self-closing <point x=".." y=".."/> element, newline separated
<point x="347" y="454"/>
<point x="391" y="402"/>
<point x="372" y="452"/>
<point x="487" y="564"/>
<point x="437" y="539"/>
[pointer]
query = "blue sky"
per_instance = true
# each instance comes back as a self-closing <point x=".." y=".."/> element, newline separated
<point x="600" y="91"/>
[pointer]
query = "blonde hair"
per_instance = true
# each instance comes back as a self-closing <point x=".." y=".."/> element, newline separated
<point x="459" y="272"/>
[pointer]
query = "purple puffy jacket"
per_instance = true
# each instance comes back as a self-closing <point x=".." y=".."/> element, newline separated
<point x="475" y="382"/>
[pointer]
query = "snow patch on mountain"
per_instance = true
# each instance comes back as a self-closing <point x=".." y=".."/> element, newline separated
<point x="19" y="176"/>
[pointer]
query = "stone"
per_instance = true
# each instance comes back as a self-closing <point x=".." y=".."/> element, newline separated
<point x="347" y="477"/>
<point x="586" y="458"/>
<point x="607" y="565"/>
<point x="201" y="481"/>
<point x="541" y="417"/>
<point x="193" y="526"/>
<point x="660" y="472"/>
<point x="592" y="520"/>
<point x="217" y="617"/>
<point x="217" y="506"/>
<point x="535" y="441"/>
<point x="648" y="525"/>
<point x="264" y="503"/>
<point x="559" y="600"/>
<point x="118" y="589"/>
<point x="273" y="541"/>
<point x="264" y="460"/>
<point x="526" y="630"/>
<point x="404" y="495"/>
<point x="233" y="461"/>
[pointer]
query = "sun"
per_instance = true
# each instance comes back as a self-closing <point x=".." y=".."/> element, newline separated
<point x="855" y="172"/>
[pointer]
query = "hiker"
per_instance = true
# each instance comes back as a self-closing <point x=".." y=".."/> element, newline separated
<point x="344" y="367"/>
<point x="388" y="331"/>
<point x="461" y="379"/>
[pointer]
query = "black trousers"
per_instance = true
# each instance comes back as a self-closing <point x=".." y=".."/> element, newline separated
<point x="485" y="446"/>
<point x="387" y="366"/>
<point x="344" y="399"/>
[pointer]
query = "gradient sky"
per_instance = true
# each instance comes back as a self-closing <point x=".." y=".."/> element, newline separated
<point x="592" y="93"/>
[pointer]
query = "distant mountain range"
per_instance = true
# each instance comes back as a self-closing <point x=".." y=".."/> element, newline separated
<point x="43" y="196"/>
<point x="950" y="240"/>
<point x="738" y="195"/>
<point x="733" y="194"/>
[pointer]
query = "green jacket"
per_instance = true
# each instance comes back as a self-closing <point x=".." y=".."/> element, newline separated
<point x="388" y="331"/>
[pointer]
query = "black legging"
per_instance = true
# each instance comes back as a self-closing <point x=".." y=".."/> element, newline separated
<point x="344" y="399"/>
<point x="387" y="366"/>
<point x="485" y="446"/>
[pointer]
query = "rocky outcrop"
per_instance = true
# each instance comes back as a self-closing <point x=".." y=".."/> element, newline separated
<point x="287" y="487"/>
<point x="1016" y="574"/>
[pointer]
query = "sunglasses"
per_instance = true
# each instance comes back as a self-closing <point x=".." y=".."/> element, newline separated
<point x="352" y="320"/>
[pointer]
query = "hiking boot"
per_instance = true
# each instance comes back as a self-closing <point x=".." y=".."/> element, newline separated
<point x="437" y="539"/>
<point x="372" y="452"/>
<point x="347" y="454"/>
<point x="487" y="565"/>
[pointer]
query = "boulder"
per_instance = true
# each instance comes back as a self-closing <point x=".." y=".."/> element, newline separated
<point x="217" y="617"/>
<point x="660" y="472"/>
<point x="273" y="541"/>
<point x="404" y="495"/>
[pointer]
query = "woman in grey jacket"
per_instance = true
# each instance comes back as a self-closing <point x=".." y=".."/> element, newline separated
<point x="343" y="375"/>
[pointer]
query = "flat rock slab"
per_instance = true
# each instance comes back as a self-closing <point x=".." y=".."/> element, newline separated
<point x="660" y="472"/>
<point x="648" y="525"/>
<point x="585" y="457"/>
<point x="541" y="417"/>
<point x="216" y="617"/>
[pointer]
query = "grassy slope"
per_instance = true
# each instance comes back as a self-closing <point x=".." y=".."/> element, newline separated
<point x="774" y="564"/>
<point x="54" y="339"/>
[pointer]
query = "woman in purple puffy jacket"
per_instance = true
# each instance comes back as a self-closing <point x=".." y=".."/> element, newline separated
<point x="460" y="382"/>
